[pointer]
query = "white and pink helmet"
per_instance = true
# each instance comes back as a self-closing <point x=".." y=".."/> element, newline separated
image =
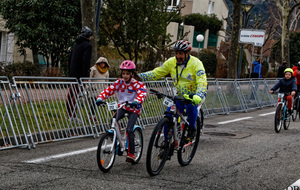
<point x="127" y="65"/>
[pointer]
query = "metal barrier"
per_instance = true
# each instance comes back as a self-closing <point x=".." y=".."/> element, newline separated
<point x="44" y="109"/>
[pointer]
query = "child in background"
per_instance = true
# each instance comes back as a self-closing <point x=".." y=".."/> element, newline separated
<point x="131" y="90"/>
<point x="286" y="85"/>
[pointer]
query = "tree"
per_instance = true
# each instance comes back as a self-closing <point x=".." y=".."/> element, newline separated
<point x="46" y="27"/>
<point x="233" y="55"/>
<point x="295" y="47"/>
<point x="88" y="19"/>
<point x="134" y="26"/>
<point x="286" y="7"/>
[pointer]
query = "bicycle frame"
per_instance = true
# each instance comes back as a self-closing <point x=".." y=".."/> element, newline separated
<point x="283" y="103"/>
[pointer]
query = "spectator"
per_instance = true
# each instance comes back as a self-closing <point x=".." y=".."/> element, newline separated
<point x="100" y="70"/>
<point x="79" y="66"/>
<point x="282" y="67"/>
<point x="256" y="73"/>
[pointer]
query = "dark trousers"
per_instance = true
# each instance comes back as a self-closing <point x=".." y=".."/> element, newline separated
<point x="71" y="100"/>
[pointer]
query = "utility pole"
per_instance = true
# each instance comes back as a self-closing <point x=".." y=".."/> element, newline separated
<point x="88" y="18"/>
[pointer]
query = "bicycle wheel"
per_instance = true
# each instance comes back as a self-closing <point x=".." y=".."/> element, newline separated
<point x="287" y="120"/>
<point x="105" y="157"/>
<point x="278" y="118"/>
<point x="138" y="144"/>
<point x="187" y="149"/>
<point x="295" y="109"/>
<point x="158" y="149"/>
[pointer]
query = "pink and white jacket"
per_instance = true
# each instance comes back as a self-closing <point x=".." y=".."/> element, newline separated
<point x="133" y="91"/>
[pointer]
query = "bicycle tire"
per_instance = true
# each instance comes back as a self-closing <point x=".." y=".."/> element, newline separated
<point x="158" y="149"/>
<point x="287" y="120"/>
<point x="105" y="158"/>
<point x="138" y="143"/>
<point x="278" y="118"/>
<point x="295" y="109"/>
<point x="187" y="149"/>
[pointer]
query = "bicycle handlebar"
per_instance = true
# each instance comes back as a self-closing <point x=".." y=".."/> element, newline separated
<point x="121" y="105"/>
<point x="160" y="95"/>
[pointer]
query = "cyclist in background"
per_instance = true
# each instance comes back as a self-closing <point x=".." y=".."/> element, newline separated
<point x="286" y="85"/>
<point x="130" y="90"/>
<point x="189" y="78"/>
<point x="296" y="74"/>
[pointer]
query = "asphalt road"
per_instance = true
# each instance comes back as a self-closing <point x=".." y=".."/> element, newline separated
<point x="244" y="154"/>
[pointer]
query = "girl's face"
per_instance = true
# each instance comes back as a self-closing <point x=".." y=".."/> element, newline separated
<point x="288" y="75"/>
<point x="126" y="75"/>
<point x="102" y="65"/>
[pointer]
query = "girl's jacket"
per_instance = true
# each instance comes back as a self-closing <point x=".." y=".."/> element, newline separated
<point x="191" y="80"/>
<point x="285" y="85"/>
<point x="133" y="91"/>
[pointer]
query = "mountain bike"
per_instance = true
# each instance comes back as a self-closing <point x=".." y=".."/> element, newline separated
<point x="281" y="114"/>
<point x="296" y="106"/>
<point x="115" y="142"/>
<point x="170" y="134"/>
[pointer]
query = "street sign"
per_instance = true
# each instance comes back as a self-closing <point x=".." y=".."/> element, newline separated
<point x="255" y="37"/>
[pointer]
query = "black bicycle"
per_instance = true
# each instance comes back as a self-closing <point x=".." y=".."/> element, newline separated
<point x="296" y="106"/>
<point x="170" y="134"/>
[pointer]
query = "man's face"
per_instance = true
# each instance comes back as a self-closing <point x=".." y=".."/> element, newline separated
<point x="181" y="56"/>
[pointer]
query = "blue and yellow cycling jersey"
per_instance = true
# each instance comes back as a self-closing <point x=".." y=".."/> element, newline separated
<point x="191" y="80"/>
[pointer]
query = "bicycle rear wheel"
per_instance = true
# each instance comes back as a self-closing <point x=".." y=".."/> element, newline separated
<point x="138" y="144"/>
<point x="158" y="149"/>
<point x="187" y="149"/>
<point x="287" y="120"/>
<point x="105" y="157"/>
<point x="295" y="109"/>
<point x="278" y="118"/>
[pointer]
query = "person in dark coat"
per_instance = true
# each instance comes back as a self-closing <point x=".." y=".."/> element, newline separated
<point x="79" y="66"/>
<point x="281" y="69"/>
<point x="286" y="85"/>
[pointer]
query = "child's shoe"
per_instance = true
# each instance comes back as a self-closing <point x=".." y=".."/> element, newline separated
<point x="130" y="158"/>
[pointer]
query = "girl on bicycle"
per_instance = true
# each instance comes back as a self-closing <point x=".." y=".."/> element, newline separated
<point x="286" y="85"/>
<point x="131" y="90"/>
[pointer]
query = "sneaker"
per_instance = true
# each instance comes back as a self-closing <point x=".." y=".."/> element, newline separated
<point x="191" y="133"/>
<point x="130" y="158"/>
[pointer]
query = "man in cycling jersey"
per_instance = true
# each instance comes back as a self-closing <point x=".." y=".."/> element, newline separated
<point x="189" y="78"/>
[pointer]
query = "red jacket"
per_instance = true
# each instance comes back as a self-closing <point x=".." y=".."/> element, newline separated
<point x="134" y="91"/>
<point x="296" y="75"/>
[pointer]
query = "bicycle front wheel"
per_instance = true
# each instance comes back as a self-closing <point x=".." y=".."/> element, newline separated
<point x="158" y="149"/>
<point x="187" y="148"/>
<point x="295" y="109"/>
<point x="138" y="144"/>
<point x="278" y="118"/>
<point x="106" y="152"/>
<point x="287" y="121"/>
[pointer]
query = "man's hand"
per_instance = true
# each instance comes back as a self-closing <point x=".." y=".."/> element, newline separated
<point x="194" y="98"/>
<point x="293" y="93"/>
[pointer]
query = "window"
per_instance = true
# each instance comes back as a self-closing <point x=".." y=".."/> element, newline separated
<point x="172" y="3"/>
<point x="211" y="6"/>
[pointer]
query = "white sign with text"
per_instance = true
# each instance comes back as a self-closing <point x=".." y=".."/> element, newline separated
<point x="256" y="37"/>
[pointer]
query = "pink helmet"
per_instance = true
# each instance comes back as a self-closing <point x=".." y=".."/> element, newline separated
<point x="127" y="65"/>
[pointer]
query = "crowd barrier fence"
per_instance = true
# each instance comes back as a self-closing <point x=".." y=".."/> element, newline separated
<point x="36" y="110"/>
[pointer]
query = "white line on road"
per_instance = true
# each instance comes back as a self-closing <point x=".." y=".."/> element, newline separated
<point x="44" y="159"/>
<point x="267" y="113"/>
<point x="234" y="120"/>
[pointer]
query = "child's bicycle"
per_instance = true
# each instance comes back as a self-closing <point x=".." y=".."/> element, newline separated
<point x="115" y="142"/>
<point x="171" y="134"/>
<point x="281" y="114"/>
<point x="296" y="106"/>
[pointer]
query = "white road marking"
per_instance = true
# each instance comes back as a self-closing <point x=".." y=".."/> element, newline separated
<point x="294" y="186"/>
<point x="234" y="120"/>
<point x="267" y="113"/>
<point x="44" y="159"/>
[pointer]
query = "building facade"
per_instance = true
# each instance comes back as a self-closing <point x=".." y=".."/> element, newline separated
<point x="217" y="7"/>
